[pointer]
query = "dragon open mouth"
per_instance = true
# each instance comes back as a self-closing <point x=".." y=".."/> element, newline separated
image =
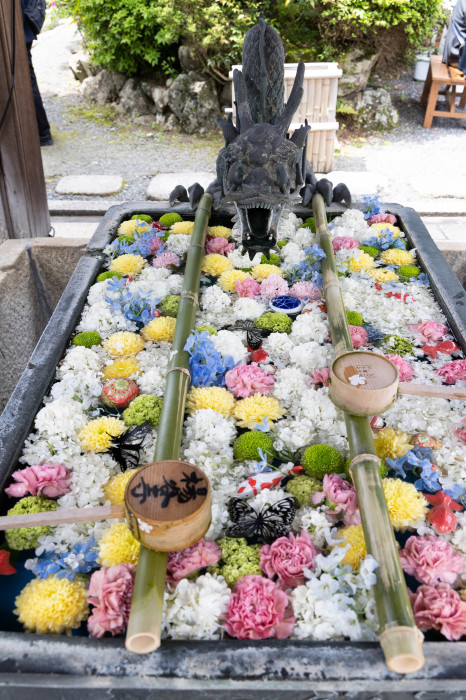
<point x="259" y="222"/>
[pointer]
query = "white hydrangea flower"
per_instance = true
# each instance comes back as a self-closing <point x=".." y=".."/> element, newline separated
<point x="278" y="346"/>
<point x="309" y="326"/>
<point x="229" y="343"/>
<point x="292" y="254"/>
<point x="241" y="261"/>
<point x="245" y="308"/>
<point x="62" y="417"/>
<point x="178" y="243"/>
<point x="195" y="608"/>
<point x="311" y="355"/>
<point x="290" y="384"/>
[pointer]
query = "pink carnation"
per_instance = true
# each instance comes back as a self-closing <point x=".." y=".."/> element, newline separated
<point x="154" y="244"/>
<point x="345" y="242"/>
<point x="218" y="245"/>
<point x="404" y="368"/>
<point x="460" y="432"/>
<point x="439" y="608"/>
<point x="274" y="286"/>
<point x="321" y="376"/>
<point x="342" y="498"/>
<point x="246" y="380"/>
<point x="429" y="331"/>
<point x="305" y="290"/>
<point x="258" y="609"/>
<point x="166" y="260"/>
<point x="247" y="288"/>
<point x="452" y="371"/>
<point x="431" y="560"/>
<point x="287" y="558"/>
<point x="382" y="219"/>
<point x="110" y="590"/>
<point x="187" y="561"/>
<point x="359" y="336"/>
<point x="52" y="480"/>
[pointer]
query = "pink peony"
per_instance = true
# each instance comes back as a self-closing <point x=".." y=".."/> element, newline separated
<point x="218" y="245"/>
<point x="359" y="336"/>
<point x="439" y="608"/>
<point x="431" y="560"/>
<point x="452" y="371"/>
<point x="258" y="609"/>
<point x="382" y="219"/>
<point x="246" y="380"/>
<point x="274" y="286"/>
<point x="345" y="242"/>
<point x="166" y="260"/>
<point x="52" y="480"/>
<point x="110" y="590"/>
<point x="287" y="558"/>
<point x="429" y="331"/>
<point x="404" y="368"/>
<point x="305" y="290"/>
<point x="187" y="561"/>
<point x="341" y="497"/>
<point x="247" y="288"/>
<point x="321" y="376"/>
<point x="460" y="432"/>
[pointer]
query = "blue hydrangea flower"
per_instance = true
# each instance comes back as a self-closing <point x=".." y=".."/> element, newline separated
<point x="135" y="305"/>
<point x="81" y="559"/>
<point x="375" y="336"/>
<point x="264" y="427"/>
<point x="262" y="465"/>
<point x="421" y="279"/>
<point x="373" y="205"/>
<point x="308" y="269"/>
<point x="206" y="364"/>
<point x="429" y="478"/>
<point x="457" y="493"/>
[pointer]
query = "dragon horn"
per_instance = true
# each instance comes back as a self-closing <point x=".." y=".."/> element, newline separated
<point x="300" y="135"/>
<point x="244" y="119"/>
<point x="283" y="123"/>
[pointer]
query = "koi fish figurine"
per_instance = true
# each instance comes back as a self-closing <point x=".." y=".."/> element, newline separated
<point x="441" y="517"/>
<point x="406" y="298"/>
<point x="264" y="480"/>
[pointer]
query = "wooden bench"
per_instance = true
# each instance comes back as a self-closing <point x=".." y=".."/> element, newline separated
<point x="441" y="74"/>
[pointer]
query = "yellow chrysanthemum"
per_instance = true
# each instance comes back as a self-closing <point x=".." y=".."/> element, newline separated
<point x="127" y="264"/>
<point x="382" y="275"/>
<point x="97" y="434"/>
<point x="378" y="228"/>
<point x="391" y="443"/>
<point x="123" y="343"/>
<point x="228" y="279"/>
<point x="396" y="256"/>
<point x="127" y="228"/>
<point x="126" y="367"/>
<point x="215" y="264"/>
<point x="248" y="412"/>
<point x="354" y="536"/>
<point x="262" y="271"/>
<point x="363" y="262"/>
<point x="406" y="504"/>
<point x="118" y="546"/>
<point x="114" y="490"/>
<point x="214" y="397"/>
<point x="219" y="231"/>
<point x="52" y="605"/>
<point x="160" y="329"/>
<point x="185" y="227"/>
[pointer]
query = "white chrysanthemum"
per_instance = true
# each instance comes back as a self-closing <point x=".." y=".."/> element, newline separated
<point x="214" y="300"/>
<point x="278" y="346"/>
<point x="210" y="426"/>
<point x="62" y="417"/>
<point x="310" y="356"/>
<point x="195" y="608"/>
<point x="241" y="261"/>
<point x="309" y="327"/>
<point x="229" y="343"/>
<point x="178" y="243"/>
<point x="245" y="308"/>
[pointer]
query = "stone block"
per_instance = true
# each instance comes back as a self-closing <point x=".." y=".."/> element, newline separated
<point x="162" y="184"/>
<point x="132" y="98"/>
<point x="100" y="88"/>
<point x="91" y="185"/>
<point x="375" y="110"/>
<point x="193" y="99"/>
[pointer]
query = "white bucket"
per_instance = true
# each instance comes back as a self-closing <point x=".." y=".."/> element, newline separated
<point x="421" y="67"/>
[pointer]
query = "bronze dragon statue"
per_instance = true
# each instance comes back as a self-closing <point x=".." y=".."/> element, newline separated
<point x="261" y="169"/>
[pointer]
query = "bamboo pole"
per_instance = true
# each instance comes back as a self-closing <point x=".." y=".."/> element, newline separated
<point x="143" y="634"/>
<point x="400" y="639"/>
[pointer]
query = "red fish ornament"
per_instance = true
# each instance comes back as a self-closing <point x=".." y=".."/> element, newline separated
<point x="258" y="355"/>
<point x="5" y="566"/>
<point x="406" y="298"/>
<point x="264" y="480"/>
<point x="441" y="517"/>
<point x="448" y="347"/>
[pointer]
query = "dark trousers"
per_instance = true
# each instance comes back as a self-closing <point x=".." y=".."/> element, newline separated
<point x="42" y="121"/>
<point x="462" y="59"/>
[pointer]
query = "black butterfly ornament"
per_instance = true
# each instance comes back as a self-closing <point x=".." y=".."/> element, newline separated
<point x="254" y="335"/>
<point x="125" y="449"/>
<point x="267" y="525"/>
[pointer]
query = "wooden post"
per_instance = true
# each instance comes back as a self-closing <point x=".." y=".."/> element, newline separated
<point x="23" y="198"/>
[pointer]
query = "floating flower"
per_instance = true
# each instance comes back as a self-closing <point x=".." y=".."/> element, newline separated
<point x="110" y="592"/>
<point x="127" y="264"/>
<point x="161" y="329"/>
<point x="167" y="259"/>
<point x="258" y="609"/>
<point x="429" y="331"/>
<point x="185" y="562"/>
<point x="452" y="371"/>
<point x="262" y="271"/>
<point x="114" y="489"/>
<point x="252" y="410"/>
<point x="439" y="608"/>
<point x="362" y="262"/>
<point x="126" y="367"/>
<point x="320" y="376"/>
<point x="287" y="557"/>
<point x="5" y="567"/>
<point x="274" y="286"/>
<point x="354" y="537"/>
<point x="245" y="380"/>
<point x="344" y="242"/>
<point x="305" y="290"/>
<point x="97" y="434"/>
<point x="341" y="497"/>
<point x="431" y="560"/>
<point x="219" y="245"/>
<point x="382" y="227"/>
<point x="127" y="228"/>
<point x="215" y="264"/>
<point x="359" y="336"/>
<point x="123" y="343"/>
<point x="404" y="368"/>
<point x="52" y="605"/>
<point x="382" y="219"/>
<point x="247" y="287"/>
<point x="460" y="431"/>
<point x="228" y="280"/>
<point x="118" y="546"/>
<point x="184" y="227"/>
<point x="52" y="480"/>
<point x="406" y="504"/>
<point x="382" y="275"/>
<point x="391" y="443"/>
<point x="222" y="231"/>
<point x="397" y="257"/>
<point x="214" y="397"/>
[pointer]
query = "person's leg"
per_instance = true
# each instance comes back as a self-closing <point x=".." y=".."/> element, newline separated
<point x="462" y="59"/>
<point x="42" y="121"/>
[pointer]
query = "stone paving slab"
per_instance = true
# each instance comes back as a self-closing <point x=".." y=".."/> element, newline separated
<point x="90" y="185"/>
<point x="80" y="207"/>
<point x="359" y="182"/>
<point x="452" y="229"/>
<point x="431" y="184"/>
<point x="163" y="183"/>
